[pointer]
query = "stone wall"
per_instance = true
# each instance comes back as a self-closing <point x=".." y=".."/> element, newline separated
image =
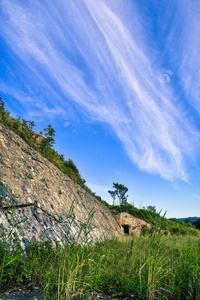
<point x="43" y="196"/>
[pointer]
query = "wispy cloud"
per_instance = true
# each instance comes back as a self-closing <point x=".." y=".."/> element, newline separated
<point x="184" y="46"/>
<point x="84" y="54"/>
<point x="98" y="188"/>
<point x="189" y="60"/>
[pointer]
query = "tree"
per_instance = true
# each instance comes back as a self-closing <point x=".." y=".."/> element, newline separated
<point x="24" y="123"/>
<point x="62" y="157"/>
<point x="1" y="104"/>
<point x="50" y="134"/>
<point x="17" y="123"/>
<point x="120" y="193"/>
<point x="31" y="124"/>
<point x="2" y="109"/>
<point x="49" y="140"/>
<point x="152" y="208"/>
<point x="197" y="223"/>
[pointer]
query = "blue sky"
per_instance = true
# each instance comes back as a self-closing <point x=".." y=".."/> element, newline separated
<point x="119" y="82"/>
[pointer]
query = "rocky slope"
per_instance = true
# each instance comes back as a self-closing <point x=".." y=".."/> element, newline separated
<point x="43" y="196"/>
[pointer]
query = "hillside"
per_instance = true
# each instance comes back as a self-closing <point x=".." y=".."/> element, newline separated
<point x="44" y="196"/>
<point x="193" y="219"/>
<point x="42" y="182"/>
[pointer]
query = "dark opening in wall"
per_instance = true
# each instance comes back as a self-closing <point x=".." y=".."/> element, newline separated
<point x="126" y="228"/>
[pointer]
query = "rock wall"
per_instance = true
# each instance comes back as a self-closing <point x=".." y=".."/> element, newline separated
<point x="43" y="196"/>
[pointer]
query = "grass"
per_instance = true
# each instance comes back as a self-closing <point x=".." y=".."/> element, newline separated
<point x="153" y="267"/>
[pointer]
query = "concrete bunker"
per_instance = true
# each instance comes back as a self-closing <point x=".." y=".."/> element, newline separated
<point x="130" y="224"/>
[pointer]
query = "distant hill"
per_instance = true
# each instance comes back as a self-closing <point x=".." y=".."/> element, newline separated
<point x="194" y="219"/>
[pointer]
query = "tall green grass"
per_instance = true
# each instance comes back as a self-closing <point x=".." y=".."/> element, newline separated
<point x="146" y="267"/>
<point x="152" y="267"/>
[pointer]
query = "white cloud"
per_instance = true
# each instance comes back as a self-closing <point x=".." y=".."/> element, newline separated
<point x="97" y="188"/>
<point x="184" y="47"/>
<point x="66" y="124"/>
<point x="92" y="60"/>
<point x="167" y="75"/>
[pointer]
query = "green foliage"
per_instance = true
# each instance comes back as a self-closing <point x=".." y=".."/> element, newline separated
<point x="2" y="109"/>
<point x="50" y="134"/>
<point x="197" y="224"/>
<point x="69" y="164"/>
<point x="145" y="230"/>
<point x="1" y="104"/>
<point x="31" y="124"/>
<point x="120" y="193"/>
<point x="150" y="207"/>
<point x="48" y="142"/>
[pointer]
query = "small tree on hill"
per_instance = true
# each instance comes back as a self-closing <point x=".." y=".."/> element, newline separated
<point x="31" y="124"/>
<point x="50" y="134"/>
<point x="49" y="141"/>
<point x="152" y="208"/>
<point x="2" y="108"/>
<point x="120" y="193"/>
<point x="24" y="123"/>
